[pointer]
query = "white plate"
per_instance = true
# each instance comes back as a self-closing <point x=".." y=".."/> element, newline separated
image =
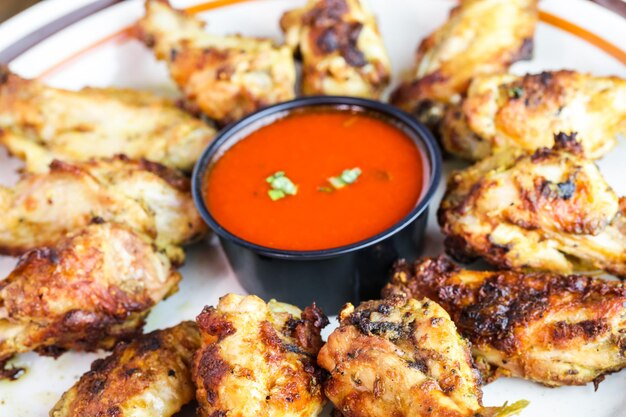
<point x="124" y="62"/>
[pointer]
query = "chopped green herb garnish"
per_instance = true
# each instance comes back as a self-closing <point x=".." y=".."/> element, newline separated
<point x="336" y="182"/>
<point x="348" y="176"/>
<point x="276" y="194"/>
<point x="274" y="176"/>
<point x="281" y="186"/>
<point x="516" y="92"/>
<point x="285" y="185"/>
<point x="325" y="189"/>
<point x="513" y="409"/>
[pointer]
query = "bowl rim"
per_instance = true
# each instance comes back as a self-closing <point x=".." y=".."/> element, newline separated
<point x="422" y="134"/>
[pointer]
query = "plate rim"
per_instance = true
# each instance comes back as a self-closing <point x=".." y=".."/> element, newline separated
<point x="584" y="3"/>
<point x="15" y="42"/>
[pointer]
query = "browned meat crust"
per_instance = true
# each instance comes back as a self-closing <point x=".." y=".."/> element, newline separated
<point x="225" y="77"/>
<point x="553" y="329"/>
<point x="402" y="357"/>
<point x="341" y="48"/>
<point x="480" y="37"/>
<point x="151" y="377"/>
<point x="507" y="111"/>
<point x="148" y="197"/>
<point x="41" y="123"/>
<point x="550" y="210"/>
<point x="89" y="291"/>
<point x="259" y="359"/>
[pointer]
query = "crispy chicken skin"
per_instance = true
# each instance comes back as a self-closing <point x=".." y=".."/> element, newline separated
<point x="40" y="123"/>
<point x="550" y="210"/>
<point x="88" y="291"/>
<point x="41" y="208"/>
<point x="552" y="329"/>
<point x="341" y="48"/>
<point x="480" y="37"/>
<point x="226" y="77"/>
<point x="401" y="357"/>
<point x="506" y="111"/>
<point x="258" y="359"/>
<point x="149" y="377"/>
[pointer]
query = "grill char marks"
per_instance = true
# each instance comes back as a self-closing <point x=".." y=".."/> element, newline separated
<point x="156" y="364"/>
<point x="330" y="33"/>
<point x="269" y="349"/>
<point x="341" y="48"/>
<point x="400" y="357"/>
<point x="514" y="319"/>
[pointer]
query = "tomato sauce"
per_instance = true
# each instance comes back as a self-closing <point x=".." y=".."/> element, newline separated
<point x="310" y="147"/>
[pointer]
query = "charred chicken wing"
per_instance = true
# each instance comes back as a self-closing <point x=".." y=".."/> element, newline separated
<point x="149" y="377"/>
<point x="226" y="77"/>
<point x="258" y="359"/>
<point x="40" y="123"/>
<point x="480" y="37"/>
<point x="553" y="329"/>
<point x="402" y="357"/>
<point x="42" y="208"/>
<point x="508" y="111"/>
<point x="550" y="210"/>
<point x="88" y="291"/>
<point x="341" y="48"/>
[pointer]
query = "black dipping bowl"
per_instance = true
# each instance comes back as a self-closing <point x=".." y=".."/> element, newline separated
<point x="331" y="277"/>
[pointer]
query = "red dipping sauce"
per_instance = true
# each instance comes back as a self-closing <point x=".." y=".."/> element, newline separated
<point x="310" y="147"/>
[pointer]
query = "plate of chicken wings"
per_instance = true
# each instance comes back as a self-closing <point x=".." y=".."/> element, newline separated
<point x="117" y="300"/>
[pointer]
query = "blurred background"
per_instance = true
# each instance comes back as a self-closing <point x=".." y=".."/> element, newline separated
<point x="9" y="8"/>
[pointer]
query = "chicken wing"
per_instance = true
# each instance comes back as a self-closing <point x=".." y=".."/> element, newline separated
<point x="550" y="210"/>
<point x="258" y="359"/>
<point x="505" y="111"/>
<point x="552" y="329"/>
<point x="149" y="377"/>
<point x="40" y="123"/>
<point x="88" y="291"/>
<point x="226" y="77"/>
<point x="341" y="48"/>
<point x="42" y="208"/>
<point x="402" y="357"/>
<point x="480" y="37"/>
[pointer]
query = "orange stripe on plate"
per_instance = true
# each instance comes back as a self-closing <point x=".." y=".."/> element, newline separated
<point x="119" y="37"/>
<point x="584" y="34"/>
<point x="127" y="32"/>
<point x="546" y="17"/>
<point x="212" y="5"/>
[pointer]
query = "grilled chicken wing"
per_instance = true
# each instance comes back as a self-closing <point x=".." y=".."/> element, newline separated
<point x="506" y="111"/>
<point x="341" y="48"/>
<point x="88" y="291"/>
<point x="550" y="210"/>
<point x="226" y="77"/>
<point x="402" y="357"/>
<point x="480" y="37"/>
<point x="258" y="359"/>
<point x="42" y="208"/>
<point x="149" y="377"/>
<point x="553" y="329"/>
<point x="40" y="123"/>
